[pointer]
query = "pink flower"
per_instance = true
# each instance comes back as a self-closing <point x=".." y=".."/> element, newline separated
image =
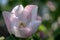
<point x="51" y="6"/>
<point x="22" y="22"/>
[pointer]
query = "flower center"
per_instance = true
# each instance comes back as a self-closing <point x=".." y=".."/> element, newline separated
<point x="22" y="24"/>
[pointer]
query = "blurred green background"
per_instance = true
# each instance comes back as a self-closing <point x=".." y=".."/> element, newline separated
<point x="50" y="28"/>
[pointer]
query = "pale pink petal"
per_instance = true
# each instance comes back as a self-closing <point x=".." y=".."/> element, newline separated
<point x="11" y="20"/>
<point x="31" y="28"/>
<point x="25" y="32"/>
<point x="14" y="23"/>
<point x="21" y="32"/>
<point x="30" y="13"/>
<point x="16" y="32"/>
<point x="34" y="25"/>
<point x="17" y="10"/>
<point x="14" y="20"/>
<point x="6" y="16"/>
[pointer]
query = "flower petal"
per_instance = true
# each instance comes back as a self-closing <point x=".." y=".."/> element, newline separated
<point x="21" y="32"/>
<point x="34" y="25"/>
<point x="25" y="32"/>
<point x="10" y="19"/>
<point x="30" y="13"/>
<point x="6" y="16"/>
<point x="16" y="32"/>
<point x="17" y="10"/>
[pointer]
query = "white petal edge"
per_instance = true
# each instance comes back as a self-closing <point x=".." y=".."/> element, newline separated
<point x="17" y="9"/>
<point x="15" y="31"/>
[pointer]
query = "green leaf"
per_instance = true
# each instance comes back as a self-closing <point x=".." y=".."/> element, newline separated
<point x="42" y="28"/>
<point x="11" y="37"/>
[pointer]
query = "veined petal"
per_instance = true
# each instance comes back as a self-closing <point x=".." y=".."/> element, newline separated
<point x="31" y="28"/>
<point x="10" y="20"/>
<point x="17" y="10"/>
<point x="34" y="12"/>
<point x="6" y="16"/>
<point x="21" y="32"/>
<point x="34" y="25"/>
<point x="14" y="20"/>
<point x="30" y="12"/>
<point x="25" y="32"/>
